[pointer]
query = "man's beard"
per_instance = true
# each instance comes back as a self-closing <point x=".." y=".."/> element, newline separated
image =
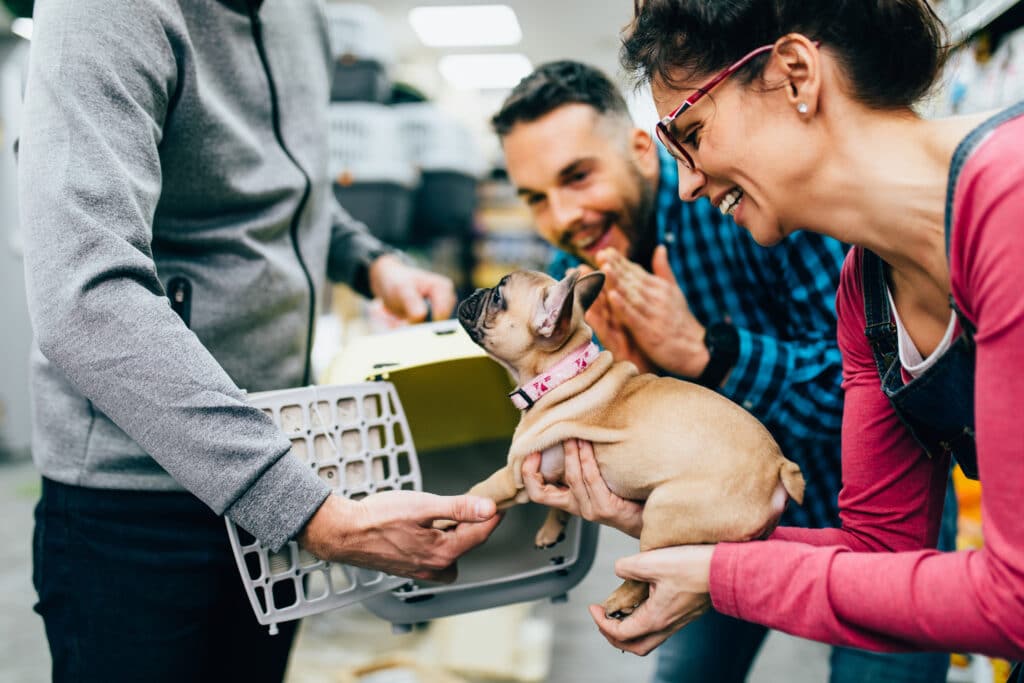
<point x="643" y="229"/>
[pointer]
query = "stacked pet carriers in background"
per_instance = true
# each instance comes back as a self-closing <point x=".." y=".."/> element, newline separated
<point x="409" y="171"/>
<point x="450" y="165"/>
<point x="374" y="179"/>
<point x="363" y="53"/>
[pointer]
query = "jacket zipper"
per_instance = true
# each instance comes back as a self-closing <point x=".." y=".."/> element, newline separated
<point x="257" y="35"/>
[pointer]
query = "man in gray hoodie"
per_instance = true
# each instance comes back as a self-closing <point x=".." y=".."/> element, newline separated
<point x="180" y="227"/>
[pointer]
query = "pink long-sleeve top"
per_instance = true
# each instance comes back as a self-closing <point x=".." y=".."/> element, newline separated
<point x="869" y="584"/>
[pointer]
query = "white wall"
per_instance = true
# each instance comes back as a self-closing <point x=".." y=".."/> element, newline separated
<point x="15" y="427"/>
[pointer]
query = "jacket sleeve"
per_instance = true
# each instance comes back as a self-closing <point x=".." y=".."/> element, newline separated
<point x="793" y="380"/>
<point x="353" y="250"/>
<point x="99" y="88"/>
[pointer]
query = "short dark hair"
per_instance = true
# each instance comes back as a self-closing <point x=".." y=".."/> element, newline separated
<point x="553" y="85"/>
<point x="892" y="51"/>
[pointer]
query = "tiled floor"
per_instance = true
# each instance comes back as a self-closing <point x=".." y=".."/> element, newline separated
<point x="576" y="651"/>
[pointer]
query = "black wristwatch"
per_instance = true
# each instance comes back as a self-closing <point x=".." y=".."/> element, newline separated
<point x="723" y="342"/>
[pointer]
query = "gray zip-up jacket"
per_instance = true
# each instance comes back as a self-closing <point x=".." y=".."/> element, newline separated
<point x="179" y="145"/>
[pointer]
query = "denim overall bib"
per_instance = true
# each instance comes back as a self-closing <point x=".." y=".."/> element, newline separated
<point x="938" y="406"/>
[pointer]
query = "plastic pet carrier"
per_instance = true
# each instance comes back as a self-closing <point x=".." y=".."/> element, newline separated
<point x="435" y="418"/>
<point x="454" y="398"/>
<point x="374" y="179"/>
<point x="363" y="54"/>
<point x="357" y="439"/>
<point x="450" y="164"/>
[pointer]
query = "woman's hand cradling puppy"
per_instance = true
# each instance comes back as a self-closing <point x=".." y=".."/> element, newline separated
<point x="585" y="493"/>
<point x="678" y="577"/>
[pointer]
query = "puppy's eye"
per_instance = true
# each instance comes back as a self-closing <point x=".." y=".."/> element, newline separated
<point x="496" y="297"/>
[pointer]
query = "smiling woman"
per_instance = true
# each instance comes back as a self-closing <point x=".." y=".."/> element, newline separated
<point x="753" y="130"/>
<point x="816" y="131"/>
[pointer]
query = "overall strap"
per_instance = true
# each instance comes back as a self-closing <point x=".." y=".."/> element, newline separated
<point x="960" y="156"/>
<point x="879" y="328"/>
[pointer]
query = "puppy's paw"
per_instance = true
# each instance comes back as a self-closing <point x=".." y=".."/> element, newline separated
<point x="547" y="538"/>
<point x="445" y="524"/>
<point x="625" y="599"/>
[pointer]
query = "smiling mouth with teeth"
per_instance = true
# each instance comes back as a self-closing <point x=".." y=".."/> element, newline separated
<point x="730" y="201"/>
<point x="585" y="240"/>
<point x="590" y="240"/>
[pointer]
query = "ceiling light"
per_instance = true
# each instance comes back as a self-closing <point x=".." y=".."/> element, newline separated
<point x="484" y="71"/>
<point x="22" y="26"/>
<point x="466" y="25"/>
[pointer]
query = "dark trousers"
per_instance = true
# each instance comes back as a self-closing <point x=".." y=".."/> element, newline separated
<point x="143" y="586"/>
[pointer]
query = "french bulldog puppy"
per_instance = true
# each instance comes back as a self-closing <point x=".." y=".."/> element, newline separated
<point x="707" y="469"/>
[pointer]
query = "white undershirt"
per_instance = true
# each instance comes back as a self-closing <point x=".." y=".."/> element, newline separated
<point x="910" y="357"/>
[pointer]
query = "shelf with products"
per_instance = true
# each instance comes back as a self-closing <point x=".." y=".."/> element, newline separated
<point x="986" y="71"/>
<point x="505" y="238"/>
<point x="966" y="18"/>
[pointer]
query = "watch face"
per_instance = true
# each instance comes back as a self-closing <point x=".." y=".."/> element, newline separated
<point x="721" y="338"/>
<point x="722" y="341"/>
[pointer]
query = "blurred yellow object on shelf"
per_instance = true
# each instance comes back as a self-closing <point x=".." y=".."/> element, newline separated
<point x="968" y="497"/>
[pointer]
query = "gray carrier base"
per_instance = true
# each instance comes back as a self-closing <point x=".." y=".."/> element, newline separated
<point x="507" y="568"/>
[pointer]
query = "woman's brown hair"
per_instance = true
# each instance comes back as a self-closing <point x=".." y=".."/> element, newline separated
<point x="891" y="51"/>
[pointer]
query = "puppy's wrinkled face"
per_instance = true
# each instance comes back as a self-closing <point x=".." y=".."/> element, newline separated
<point x="528" y="313"/>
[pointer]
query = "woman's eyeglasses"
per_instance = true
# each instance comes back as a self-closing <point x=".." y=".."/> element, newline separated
<point x="664" y="130"/>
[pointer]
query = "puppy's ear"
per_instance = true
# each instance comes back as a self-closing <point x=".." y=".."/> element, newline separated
<point x="553" y="315"/>
<point x="588" y="287"/>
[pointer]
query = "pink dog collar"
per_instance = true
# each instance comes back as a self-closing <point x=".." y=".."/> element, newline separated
<point x="576" y="362"/>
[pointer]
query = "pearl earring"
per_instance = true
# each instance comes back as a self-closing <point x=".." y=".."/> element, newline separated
<point x="802" y="108"/>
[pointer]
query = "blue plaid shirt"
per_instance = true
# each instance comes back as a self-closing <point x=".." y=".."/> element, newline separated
<point x="782" y="301"/>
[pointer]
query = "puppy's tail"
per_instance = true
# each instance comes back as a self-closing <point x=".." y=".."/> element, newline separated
<point x="792" y="481"/>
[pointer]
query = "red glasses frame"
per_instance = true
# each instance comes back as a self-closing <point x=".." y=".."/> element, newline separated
<point x="665" y="135"/>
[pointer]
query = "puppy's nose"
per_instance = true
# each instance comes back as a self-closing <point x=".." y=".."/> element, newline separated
<point x="470" y="308"/>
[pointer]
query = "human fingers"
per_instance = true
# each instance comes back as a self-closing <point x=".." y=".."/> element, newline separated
<point x="638" y="646"/>
<point x="660" y="265"/>
<point x="574" y="479"/>
<point x="590" y="474"/>
<point x="541" y="492"/>
<point x="627" y="310"/>
<point x="468" y="535"/>
<point x="410" y="306"/>
<point x="440" y="291"/>
<point x="464" y="508"/>
<point x="649" y="620"/>
<point x="640" y="567"/>
<point x="606" y="257"/>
